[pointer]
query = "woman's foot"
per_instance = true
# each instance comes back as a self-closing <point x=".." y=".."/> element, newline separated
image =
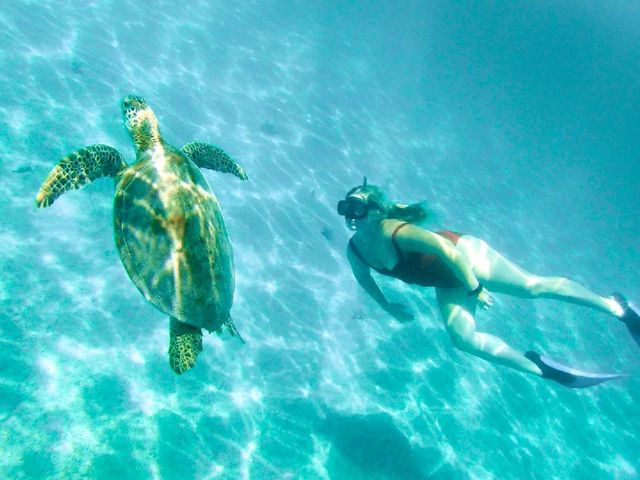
<point x="568" y="376"/>
<point x="630" y="316"/>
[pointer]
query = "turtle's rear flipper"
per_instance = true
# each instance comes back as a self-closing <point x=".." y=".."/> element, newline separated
<point x="185" y="343"/>
<point x="233" y="331"/>
<point x="209" y="156"/>
<point x="79" y="168"/>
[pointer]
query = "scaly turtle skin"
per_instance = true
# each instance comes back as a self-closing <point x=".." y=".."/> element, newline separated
<point x="167" y="224"/>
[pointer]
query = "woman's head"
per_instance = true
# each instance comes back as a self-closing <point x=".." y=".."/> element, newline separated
<point x="368" y="203"/>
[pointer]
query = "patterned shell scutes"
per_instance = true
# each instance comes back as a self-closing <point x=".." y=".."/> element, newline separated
<point x="172" y="238"/>
<point x="79" y="168"/>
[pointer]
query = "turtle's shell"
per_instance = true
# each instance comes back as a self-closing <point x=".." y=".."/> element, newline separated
<point x="172" y="238"/>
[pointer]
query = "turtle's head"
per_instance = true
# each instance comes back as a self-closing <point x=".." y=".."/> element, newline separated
<point x="140" y="121"/>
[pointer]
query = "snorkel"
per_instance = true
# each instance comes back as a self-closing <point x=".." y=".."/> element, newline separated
<point x="357" y="204"/>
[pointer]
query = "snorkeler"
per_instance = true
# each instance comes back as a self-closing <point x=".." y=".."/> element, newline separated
<point x="463" y="269"/>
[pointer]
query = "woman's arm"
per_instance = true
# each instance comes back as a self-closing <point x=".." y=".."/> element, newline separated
<point x="362" y="272"/>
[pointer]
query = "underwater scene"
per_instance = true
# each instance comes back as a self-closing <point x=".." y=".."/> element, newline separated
<point x="194" y="310"/>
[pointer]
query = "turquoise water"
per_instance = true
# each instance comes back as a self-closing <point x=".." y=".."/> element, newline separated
<point x="516" y="122"/>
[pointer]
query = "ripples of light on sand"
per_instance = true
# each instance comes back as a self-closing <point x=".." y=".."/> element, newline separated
<point x="86" y="376"/>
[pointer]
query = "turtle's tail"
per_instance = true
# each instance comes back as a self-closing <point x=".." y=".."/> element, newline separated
<point x="233" y="331"/>
<point x="185" y="343"/>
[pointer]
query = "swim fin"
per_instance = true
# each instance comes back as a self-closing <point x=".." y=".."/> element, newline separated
<point x="630" y="317"/>
<point x="567" y="376"/>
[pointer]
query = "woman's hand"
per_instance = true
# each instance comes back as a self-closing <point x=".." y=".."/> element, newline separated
<point x="485" y="300"/>
<point x="399" y="312"/>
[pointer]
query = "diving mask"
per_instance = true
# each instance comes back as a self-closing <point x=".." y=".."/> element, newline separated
<point x="353" y="207"/>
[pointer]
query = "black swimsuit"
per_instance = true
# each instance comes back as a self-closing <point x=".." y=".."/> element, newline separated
<point x="426" y="269"/>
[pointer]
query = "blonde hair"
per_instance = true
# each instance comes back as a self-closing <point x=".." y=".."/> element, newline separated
<point x="376" y="198"/>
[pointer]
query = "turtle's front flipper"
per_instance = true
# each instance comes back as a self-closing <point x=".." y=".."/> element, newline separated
<point x="206" y="155"/>
<point x="233" y="331"/>
<point x="185" y="343"/>
<point x="79" y="168"/>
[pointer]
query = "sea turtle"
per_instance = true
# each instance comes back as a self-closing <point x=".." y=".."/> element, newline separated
<point x="167" y="224"/>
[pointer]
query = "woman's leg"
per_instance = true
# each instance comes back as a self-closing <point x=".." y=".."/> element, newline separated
<point x="457" y="311"/>
<point x="500" y="275"/>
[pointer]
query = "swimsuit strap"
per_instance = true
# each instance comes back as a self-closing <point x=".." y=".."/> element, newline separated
<point x="352" y="245"/>
<point x="393" y="238"/>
